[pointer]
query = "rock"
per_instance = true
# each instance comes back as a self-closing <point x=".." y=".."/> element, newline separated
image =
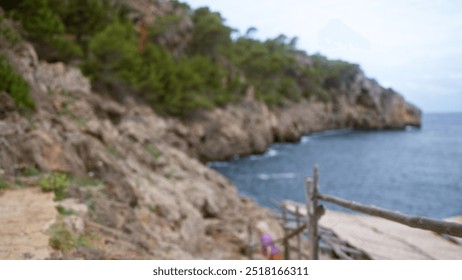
<point x="45" y="151"/>
<point x="58" y="77"/>
<point x="6" y="105"/>
<point x="45" y="77"/>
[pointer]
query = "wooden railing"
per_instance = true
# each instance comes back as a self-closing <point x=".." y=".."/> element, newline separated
<point x="315" y="212"/>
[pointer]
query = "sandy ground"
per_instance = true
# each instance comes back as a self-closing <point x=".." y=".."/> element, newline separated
<point x="383" y="239"/>
<point x="25" y="216"/>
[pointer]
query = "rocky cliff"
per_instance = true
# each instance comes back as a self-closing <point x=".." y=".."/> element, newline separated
<point x="251" y="126"/>
<point x="130" y="187"/>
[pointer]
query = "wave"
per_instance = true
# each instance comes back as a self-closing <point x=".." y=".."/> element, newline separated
<point x="268" y="154"/>
<point x="305" y="139"/>
<point x="276" y="176"/>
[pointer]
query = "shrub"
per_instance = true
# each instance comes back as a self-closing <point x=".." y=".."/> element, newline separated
<point x="153" y="151"/>
<point x="15" y="86"/>
<point x="55" y="182"/>
<point x="30" y="171"/>
<point x="63" y="211"/>
<point x="8" y="34"/>
<point x="64" y="240"/>
<point x="46" y="29"/>
<point x="83" y="18"/>
<point x="113" y="54"/>
<point x="61" y="239"/>
<point x="4" y="184"/>
<point x="210" y="36"/>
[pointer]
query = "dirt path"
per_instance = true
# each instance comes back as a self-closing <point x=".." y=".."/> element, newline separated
<point x="25" y="216"/>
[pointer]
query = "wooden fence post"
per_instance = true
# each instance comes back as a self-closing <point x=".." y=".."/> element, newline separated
<point x="250" y="242"/>
<point x="297" y="219"/>
<point x="286" y="232"/>
<point x="312" y="215"/>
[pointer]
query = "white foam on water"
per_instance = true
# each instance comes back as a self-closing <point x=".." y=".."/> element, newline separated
<point x="268" y="154"/>
<point x="276" y="176"/>
<point x="305" y="139"/>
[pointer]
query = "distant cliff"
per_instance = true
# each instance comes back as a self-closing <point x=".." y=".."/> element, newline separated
<point x="251" y="126"/>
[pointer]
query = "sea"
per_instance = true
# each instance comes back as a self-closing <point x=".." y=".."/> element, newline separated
<point x="413" y="171"/>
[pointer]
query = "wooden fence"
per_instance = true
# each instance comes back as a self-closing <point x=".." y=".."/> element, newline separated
<point x="314" y="211"/>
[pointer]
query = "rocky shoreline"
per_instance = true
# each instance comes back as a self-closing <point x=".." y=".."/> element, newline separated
<point x="251" y="126"/>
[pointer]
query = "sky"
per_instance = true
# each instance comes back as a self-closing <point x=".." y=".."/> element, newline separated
<point x="414" y="47"/>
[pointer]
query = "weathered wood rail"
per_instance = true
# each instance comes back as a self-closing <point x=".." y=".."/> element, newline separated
<point x="442" y="227"/>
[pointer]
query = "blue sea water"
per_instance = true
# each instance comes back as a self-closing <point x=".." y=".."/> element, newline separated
<point x="414" y="171"/>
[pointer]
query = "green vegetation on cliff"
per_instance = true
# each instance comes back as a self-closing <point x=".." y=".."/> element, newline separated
<point x="14" y="85"/>
<point x="123" y="54"/>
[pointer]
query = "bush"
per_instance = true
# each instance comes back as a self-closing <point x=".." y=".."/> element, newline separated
<point x="7" y="34"/>
<point x="61" y="239"/>
<point x="30" y="171"/>
<point x="55" y="182"/>
<point x="83" y="18"/>
<point x="45" y="28"/>
<point x="15" y="86"/>
<point x="113" y="53"/>
<point x="4" y="184"/>
<point x="210" y="36"/>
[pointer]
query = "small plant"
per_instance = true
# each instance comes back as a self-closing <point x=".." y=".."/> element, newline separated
<point x="55" y="182"/>
<point x="85" y="239"/>
<point x="64" y="240"/>
<point x="30" y="171"/>
<point x="112" y="151"/>
<point x="90" y="202"/>
<point x="8" y="34"/>
<point x="168" y="175"/>
<point x="61" y="239"/>
<point x="18" y="182"/>
<point x="63" y="211"/>
<point x="81" y="121"/>
<point x="153" y="151"/>
<point x="4" y="184"/>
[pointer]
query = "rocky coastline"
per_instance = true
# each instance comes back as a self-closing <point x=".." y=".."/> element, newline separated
<point x="251" y="126"/>
<point x="154" y="198"/>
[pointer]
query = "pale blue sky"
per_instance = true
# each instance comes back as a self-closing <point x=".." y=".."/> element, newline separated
<point x="415" y="47"/>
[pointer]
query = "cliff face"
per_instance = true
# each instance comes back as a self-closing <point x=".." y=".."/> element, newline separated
<point x="148" y="199"/>
<point x="252" y="126"/>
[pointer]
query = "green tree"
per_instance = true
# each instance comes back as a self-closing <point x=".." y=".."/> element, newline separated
<point x="210" y="36"/>
<point x="46" y="30"/>
<point x="84" y="18"/>
<point x="113" y="53"/>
